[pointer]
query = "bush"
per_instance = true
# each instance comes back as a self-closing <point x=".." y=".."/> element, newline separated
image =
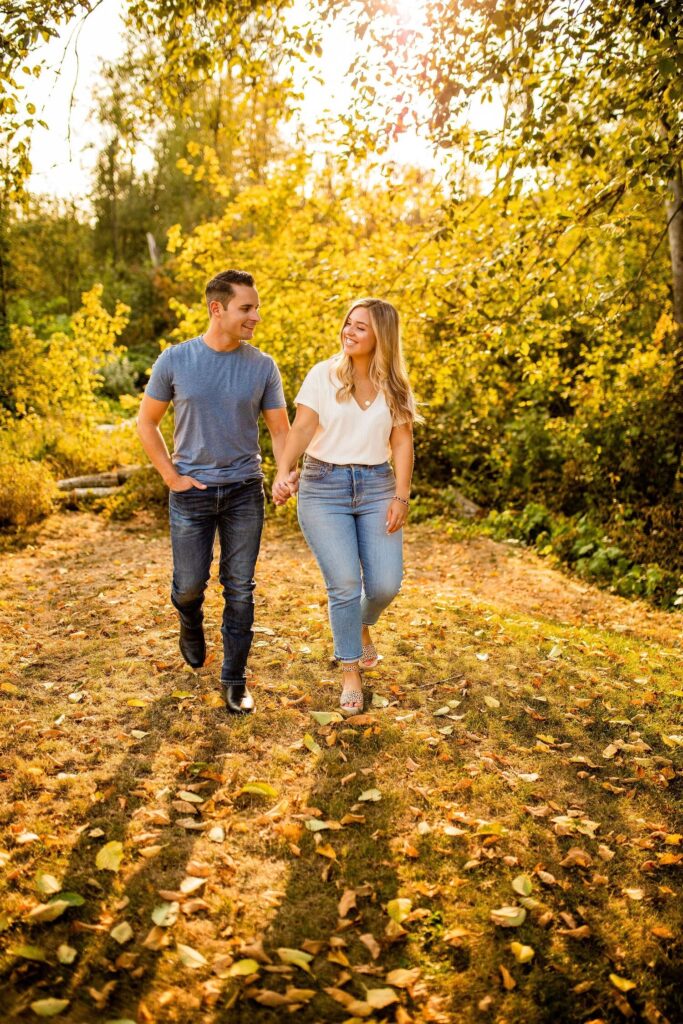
<point x="27" y="491"/>
<point x="143" y="491"/>
<point x="583" y="544"/>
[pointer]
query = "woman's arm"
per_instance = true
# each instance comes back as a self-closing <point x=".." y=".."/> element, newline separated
<point x="401" y="441"/>
<point x="300" y="436"/>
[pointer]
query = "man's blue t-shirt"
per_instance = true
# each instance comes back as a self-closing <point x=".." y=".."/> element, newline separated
<point x="217" y="398"/>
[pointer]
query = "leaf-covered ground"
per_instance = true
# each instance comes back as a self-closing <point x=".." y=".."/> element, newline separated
<point x="495" y="839"/>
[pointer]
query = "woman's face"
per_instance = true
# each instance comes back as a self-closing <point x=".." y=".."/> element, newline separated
<point x="358" y="337"/>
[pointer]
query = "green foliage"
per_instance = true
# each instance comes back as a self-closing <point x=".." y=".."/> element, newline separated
<point x="582" y="543"/>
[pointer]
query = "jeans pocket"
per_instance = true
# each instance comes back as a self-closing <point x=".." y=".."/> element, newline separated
<point x="313" y="469"/>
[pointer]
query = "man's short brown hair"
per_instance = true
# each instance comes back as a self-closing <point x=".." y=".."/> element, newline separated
<point x="219" y="288"/>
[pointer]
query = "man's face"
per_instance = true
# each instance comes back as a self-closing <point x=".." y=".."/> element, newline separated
<point x="239" y="318"/>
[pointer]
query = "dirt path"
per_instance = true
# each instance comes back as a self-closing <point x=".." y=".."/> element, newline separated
<point x="520" y="748"/>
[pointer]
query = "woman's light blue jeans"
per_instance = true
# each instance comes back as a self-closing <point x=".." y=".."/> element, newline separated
<point x="343" y="514"/>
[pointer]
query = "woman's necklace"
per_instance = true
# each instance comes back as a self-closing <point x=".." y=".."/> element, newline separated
<point x="363" y="390"/>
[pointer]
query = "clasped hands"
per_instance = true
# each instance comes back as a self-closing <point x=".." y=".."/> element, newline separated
<point x="284" y="486"/>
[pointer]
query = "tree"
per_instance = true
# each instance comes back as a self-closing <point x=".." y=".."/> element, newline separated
<point x="589" y="93"/>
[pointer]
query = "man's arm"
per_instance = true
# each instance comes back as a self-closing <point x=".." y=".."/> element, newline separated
<point x="277" y="422"/>
<point x="149" y="417"/>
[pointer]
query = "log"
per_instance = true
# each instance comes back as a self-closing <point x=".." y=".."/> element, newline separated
<point x="111" y="479"/>
<point x="76" y="494"/>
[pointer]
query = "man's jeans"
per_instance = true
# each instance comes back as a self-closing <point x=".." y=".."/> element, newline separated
<point x="343" y="516"/>
<point x="236" y="511"/>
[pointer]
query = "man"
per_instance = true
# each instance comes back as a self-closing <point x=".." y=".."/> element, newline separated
<point x="219" y="384"/>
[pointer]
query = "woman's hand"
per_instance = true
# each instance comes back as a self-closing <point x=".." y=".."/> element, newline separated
<point x="282" y="489"/>
<point x="396" y="516"/>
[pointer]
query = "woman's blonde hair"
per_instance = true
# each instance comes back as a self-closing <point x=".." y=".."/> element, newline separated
<point x="387" y="370"/>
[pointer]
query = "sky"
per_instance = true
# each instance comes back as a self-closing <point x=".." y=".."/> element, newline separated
<point x="63" y="156"/>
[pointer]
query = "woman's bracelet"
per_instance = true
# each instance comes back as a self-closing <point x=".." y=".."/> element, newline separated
<point x="404" y="501"/>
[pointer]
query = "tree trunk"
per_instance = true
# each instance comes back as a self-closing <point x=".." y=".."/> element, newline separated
<point x="4" y="248"/>
<point x="674" y="213"/>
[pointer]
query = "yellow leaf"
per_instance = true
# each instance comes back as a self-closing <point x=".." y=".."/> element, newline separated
<point x="623" y="984"/>
<point x="522" y="954"/>
<point x="110" y="856"/>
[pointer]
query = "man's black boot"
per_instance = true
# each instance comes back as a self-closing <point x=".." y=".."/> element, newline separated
<point x="238" y="699"/>
<point x="192" y="645"/>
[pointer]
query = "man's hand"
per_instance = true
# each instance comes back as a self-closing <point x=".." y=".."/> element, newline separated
<point x="184" y="483"/>
<point x="281" y="490"/>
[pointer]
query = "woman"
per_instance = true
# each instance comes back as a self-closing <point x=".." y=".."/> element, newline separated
<point x="353" y="410"/>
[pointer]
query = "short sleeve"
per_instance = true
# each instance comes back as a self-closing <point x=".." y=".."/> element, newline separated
<point x="160" y="384"/>
<point x="309" y="392"/>
<point x="273" y="396"/>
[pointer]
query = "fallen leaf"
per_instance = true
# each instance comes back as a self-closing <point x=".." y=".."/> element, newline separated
<point x="191" y="884"/>
<point x="110" y="856"/>
<point x="347" y="902"/>
<point x="259" y="789"/>
<point x="354" y="1006"/>
<point x="522" y="885"/>
<point x="508" y="981"/>
<point x="47" y="884"/>
<point x="243" y="968"/>
<point x="403" y="977"/>
<point x="522" y="954"/>
<point x="311" y="744"/>
<point x="122" y="933"/>
<point x="66" y="954"/>
<point x="190" y="957"/>
<point x="296" y="957"/>
<point x="28" y="952"/>
<point x="326" y="717"/>
<point x="491" y="702"/>
<point x="49" y="1007"/>
<point x="370" y="795"/>
<point x="399" y="909"/>
<point x="378" y="998"/>
<point x="371" y="943"/>
<point x="48" y="911"/>
<point x="577" y="857"/>
<point x="166" y="914"/>
<point x="508" y="917"/>
<point x="623" y="984"/>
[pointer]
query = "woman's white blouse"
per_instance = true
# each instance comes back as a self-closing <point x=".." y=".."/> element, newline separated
<point x="346" y="434"/>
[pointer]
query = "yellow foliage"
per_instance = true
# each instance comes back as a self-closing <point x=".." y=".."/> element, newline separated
<point x="27" y="490"/>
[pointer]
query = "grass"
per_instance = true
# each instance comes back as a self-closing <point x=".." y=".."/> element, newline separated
<point x="519" y="717"/>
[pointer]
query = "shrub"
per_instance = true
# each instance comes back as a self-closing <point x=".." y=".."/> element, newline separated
<point x="27" y="491"/>
<point x="143" y="491"/>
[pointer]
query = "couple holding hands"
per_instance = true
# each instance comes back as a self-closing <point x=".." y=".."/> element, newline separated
<point x="354" y="411"/>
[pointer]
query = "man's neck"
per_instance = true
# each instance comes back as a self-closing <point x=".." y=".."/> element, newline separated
<point x="220" y="342"/>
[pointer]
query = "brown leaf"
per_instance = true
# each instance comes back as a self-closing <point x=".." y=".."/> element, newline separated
<point x="347" y="902"/>
<point x="403" y="977"/>
<point x="354" y="1006"/>
<point x="508" y="981"/>
<point x="372" y="944"/>
<point x="576" y="857"/>
<point x="582" y="932"/>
